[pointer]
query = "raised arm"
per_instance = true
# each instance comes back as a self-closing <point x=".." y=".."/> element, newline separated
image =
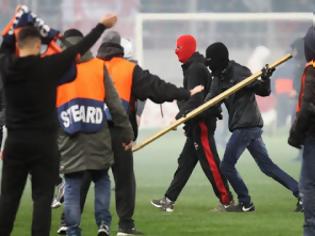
<point x="58" y="64"/>
<point x="6" y="57"/>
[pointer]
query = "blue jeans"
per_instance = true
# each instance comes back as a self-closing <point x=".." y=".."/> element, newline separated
<point x="307" y="185"/>
<point x="72" y="200"/>
<point x="250" y="138"/>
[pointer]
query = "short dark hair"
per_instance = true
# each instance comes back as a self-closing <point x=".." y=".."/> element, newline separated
<point x="26" y="35"/>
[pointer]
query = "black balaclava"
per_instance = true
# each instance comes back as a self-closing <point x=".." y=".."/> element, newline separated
<point x="217" y="57"/>
<point x="309" y="44"/>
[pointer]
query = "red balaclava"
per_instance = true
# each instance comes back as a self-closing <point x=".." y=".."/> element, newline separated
<point x="185" y="47"/>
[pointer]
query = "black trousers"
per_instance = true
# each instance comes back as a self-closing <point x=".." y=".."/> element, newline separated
<point x="200" y="146"/>
<point x="125" y="181"/>
<point x="26" y="153"/>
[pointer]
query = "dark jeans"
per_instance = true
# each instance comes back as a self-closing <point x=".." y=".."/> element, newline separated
<point x="250" y="138"/>
<point x="72" y="209"/>
<point x="125" y="181"/>
<point x="307" y="185"/>
<point x="199" y="147"/>
<point x="35" y="154"/>
<point x="84" y="189"/>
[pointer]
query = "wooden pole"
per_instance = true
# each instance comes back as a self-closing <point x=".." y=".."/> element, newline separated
<point x="209" y="103"/>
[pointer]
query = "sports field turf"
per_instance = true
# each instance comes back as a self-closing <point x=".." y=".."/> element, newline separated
<point x="154" y="166"/>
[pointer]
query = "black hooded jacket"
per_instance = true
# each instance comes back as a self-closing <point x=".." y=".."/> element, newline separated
<point x="144" y="85"/>
<point x="304" y="124"/>
<point x="196" y="73"/>
<point x="242" y="106"/>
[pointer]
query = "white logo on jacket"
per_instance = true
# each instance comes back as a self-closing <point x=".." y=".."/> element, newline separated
<point x="85" y="114"/>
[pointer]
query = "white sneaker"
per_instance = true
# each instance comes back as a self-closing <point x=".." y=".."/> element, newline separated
<point x="62" y="230"/>
<point x="55" y="204"/>
<point x="103" y="230"/>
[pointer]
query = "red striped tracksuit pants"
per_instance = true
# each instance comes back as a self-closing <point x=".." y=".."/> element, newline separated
<point x="200" y="147"/>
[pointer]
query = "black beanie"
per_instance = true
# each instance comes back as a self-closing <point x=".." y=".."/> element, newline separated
<point x="217" y="56"/>
<point x="72" y="33"/>
<point x="309" y="44"/>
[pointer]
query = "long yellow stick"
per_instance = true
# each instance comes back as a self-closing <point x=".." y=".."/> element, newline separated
<point x="210" y="103"/>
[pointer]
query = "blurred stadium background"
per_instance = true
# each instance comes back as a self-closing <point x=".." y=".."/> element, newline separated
<point x="252" y="43"/>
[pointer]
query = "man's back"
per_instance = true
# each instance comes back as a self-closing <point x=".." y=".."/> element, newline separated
<point x="30" y="95"/>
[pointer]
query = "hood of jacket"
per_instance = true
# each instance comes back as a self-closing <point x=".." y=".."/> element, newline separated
<point x="309" y="44"/>
<point x="109" y="50"/>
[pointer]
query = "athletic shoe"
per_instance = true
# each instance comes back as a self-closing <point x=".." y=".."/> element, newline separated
<point x="58" y="200"/>
<point x="103" y="230"/>
<point x="241" y="207"/>
<point x="299" y="206"/>
<point x="129" y="231"/>
<point x="55" y="204"/>
<point x="164" y="204"/>
<point x="62" y="230"/>
<point x="222" y="208"/>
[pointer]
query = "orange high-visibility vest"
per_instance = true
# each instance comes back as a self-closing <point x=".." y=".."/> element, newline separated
<point x="80" y="103"/>
<point x="121" y="72"/>
<point x="301" y="94"/>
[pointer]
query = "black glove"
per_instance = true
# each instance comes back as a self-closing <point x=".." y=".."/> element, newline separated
<point x="266" y="72"/>
<point x="295" y="139"/>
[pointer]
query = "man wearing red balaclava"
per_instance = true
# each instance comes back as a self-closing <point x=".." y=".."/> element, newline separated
<point x="200" y="144"/>
<point x="185" y="47"/>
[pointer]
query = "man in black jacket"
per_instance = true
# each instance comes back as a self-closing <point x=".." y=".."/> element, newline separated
<point x="132" y="83"/>
<point x="303" y="133"/>
<point x="30" y="94"/>
<point x="200" y="144"/>
<point x="245" y="123"/>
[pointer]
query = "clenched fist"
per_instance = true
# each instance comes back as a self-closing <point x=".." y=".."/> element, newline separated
<point x="109" y="20"/>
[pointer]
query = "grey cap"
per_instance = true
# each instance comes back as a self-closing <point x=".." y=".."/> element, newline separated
<point x="111" y="37"/>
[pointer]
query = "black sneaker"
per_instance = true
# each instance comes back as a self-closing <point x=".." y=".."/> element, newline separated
<point x="299" y="206"/>
<point x="128" y="231"/>
<point x="164" y="204"/>
<point x="62" y="230"/>
<point x="241" y="207"/>
<point x="103" y="230"/>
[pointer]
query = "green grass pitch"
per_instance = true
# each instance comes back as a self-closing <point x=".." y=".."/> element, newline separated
<point x="154" y="167"/>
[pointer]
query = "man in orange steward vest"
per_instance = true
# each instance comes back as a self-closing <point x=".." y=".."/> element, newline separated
<point x="131" y="82"/>
<point x="302" y="133"/>
<point x="30" y="93"/>
<point x="84" y="141"/>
